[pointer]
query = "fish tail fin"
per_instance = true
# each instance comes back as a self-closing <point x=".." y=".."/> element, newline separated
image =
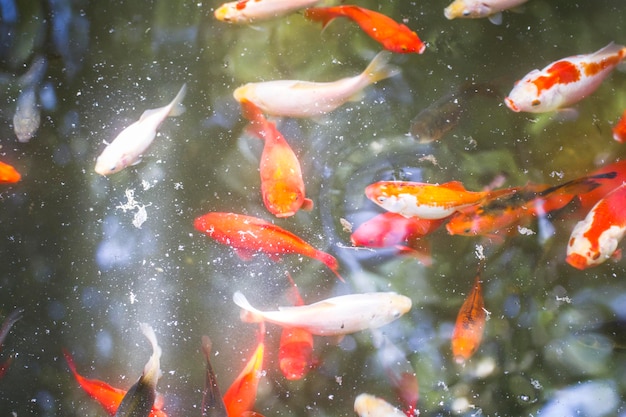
<point x="249" y="314"/>
<point x="152" y="369"/>
<point x="320" y="14"/>
<point x="579" y="185"/>
<point x="379" y="68"/>
<point x="176" y="105"/>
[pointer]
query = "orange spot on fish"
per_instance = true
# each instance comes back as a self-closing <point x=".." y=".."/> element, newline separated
<point x="561" y="72"/>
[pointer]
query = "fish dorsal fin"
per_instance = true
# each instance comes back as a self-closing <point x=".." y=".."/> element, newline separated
<point x="453" y="185"/>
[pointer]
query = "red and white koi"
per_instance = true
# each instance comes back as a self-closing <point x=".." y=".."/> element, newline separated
<point x="282" y="185"/>
<point x="476" y="9"/>
<point x="595" y="239"/>
<point x="293" y="98"/>
<point x="244" y="12"/>
<point x="619" y="130"/>
<point x="427" y="201"/>
<point x="341" y="315"/>
<point x="127" y="148"/>
<point x="564" y="82"/>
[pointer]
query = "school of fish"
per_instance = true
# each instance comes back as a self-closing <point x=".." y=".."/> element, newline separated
<point x="412" y="210"/>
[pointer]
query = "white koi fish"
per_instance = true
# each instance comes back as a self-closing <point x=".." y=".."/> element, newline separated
<point x="595" y="239"/>
<point x="341" y="315"/>
<point x="367" y="405"/>
<point x="127" y="148"/>
<point x="476" y="9"/>
<point x="244" y="12"/>
<point x="292" y="98"/>
<point x="564" y="82"/>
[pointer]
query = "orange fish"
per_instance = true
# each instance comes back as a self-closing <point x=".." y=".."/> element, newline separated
<point x="427" y="201"/>
<point x="108" y="396"/>
<point x="248" y="235"/>
<point x="619" y="130"/>
<point x="589" y="199"/>
<point x="295" y="354"/>
<point x="470" y="324"/>
<point x="530" y="200"/>
<point x="8" y="173"/>
<point x="241" y="395"/>
<point x="392" y="35"/>
<point x="282" y="186"/>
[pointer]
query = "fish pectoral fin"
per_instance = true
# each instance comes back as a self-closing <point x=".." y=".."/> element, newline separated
<point x="358" y="96"/>
<point x="138" y="161"/>
<point x="568" y="114"/>
<point x="244" y="254"/>
<point x="496" y="18"/>
<point x="307" y="204"/>
<point x="453" y="185"/>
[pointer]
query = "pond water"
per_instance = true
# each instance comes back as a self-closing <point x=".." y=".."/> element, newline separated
<point x="75" y="260"/>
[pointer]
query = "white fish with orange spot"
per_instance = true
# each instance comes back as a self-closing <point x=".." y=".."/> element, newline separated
<point x="595" y="239"/>
<point x="127" y="148"/>
<point x="293" y="98"/>
<point x="476" y="9"/>
<point x="367" y="405"/>
<point x="244" y="12"/>
<point x="564" y="82"/>
<point x="335" y="316"/>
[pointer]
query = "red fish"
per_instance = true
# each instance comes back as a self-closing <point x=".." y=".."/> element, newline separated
<point x="8" y="173"/>
<point x="295" y="354"/>
<point x="241" y="395"/>
<point x="619" y="130"/>
<point x="392" y="35"/>
<point x="595" y="239"/>
<point x="248" y="235"/>
<point x="108" y="396"/>
<point x="282" y="186"/>
<point x="470" y="324"/>
<point x="394" y="230"/>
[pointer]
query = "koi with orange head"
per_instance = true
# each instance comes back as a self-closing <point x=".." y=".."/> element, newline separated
<point x="241" y="395"/>
<point x="282" y="185"/>
<point x="470" y="324"/>
<point x="427" y="201"/>
<point x="249" y="235"/>
<point x="393" y="36"/>
<point x="564" y="82"/>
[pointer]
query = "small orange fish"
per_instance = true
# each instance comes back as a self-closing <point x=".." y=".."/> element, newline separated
<point x="282" y="185"/>
<point x="8" y="173"/>
<point x="470" y="324"/>
<point x="295" y="353"/>
<point x="241" y="395"/>
<point x="248" y="235"/>
<point x="427" y="201"/>
<point x="108" y="396"/>
<point x="393" y="36"/>
<point x="619" y="130"/>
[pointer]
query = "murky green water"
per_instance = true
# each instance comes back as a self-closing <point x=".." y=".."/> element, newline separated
<point x="86" y="276"/>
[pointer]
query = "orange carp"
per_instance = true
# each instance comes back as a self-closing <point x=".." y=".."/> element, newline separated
<point x="470" y="324"/>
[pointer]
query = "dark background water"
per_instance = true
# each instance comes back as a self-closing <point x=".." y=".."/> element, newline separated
<point x="86" y="276"/>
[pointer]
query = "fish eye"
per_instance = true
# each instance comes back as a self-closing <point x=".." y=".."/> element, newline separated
<point x="466" y="12"/>
<point x="535" y="103"/>
<point x="595" y="256"/>
<point x="381" y="199"/>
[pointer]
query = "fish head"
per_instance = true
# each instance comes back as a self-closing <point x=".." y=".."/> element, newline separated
<point x="386" y="195"/>
<point x="467" y="9"/>
<point x="227" y="12"/>
<point x="109" y="162"/>
<point x="400" y="305"/>
<point x="283" y="200"/>
<point x="527" y="96"/>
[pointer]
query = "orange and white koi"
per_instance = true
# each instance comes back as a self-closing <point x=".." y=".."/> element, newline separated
<point x="293" y="98"/>
<point x="619" y="130"/>
<point x="427" y="201"/>
<point x="470" y="324"/>
<point x="244" y="12"/>
<point x="241" y="395"/>
<point x="140" y="398"/>
<point x="595" y="239"/>
<point x="295" y="353"/>
<point x="282" y="185"/>
<point x="341" y="315"/>
<point x="564" y="82"/>
<point x="249" y="235"/>
<point x="8" y="173"/>
<point x="127" y="148"/>
<point x="393" y="36"/>
<point x="476" y="9"/>
<point x="589" y="199"/>
<point x="108" y="396"/>
<point x="367" y="405"/>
